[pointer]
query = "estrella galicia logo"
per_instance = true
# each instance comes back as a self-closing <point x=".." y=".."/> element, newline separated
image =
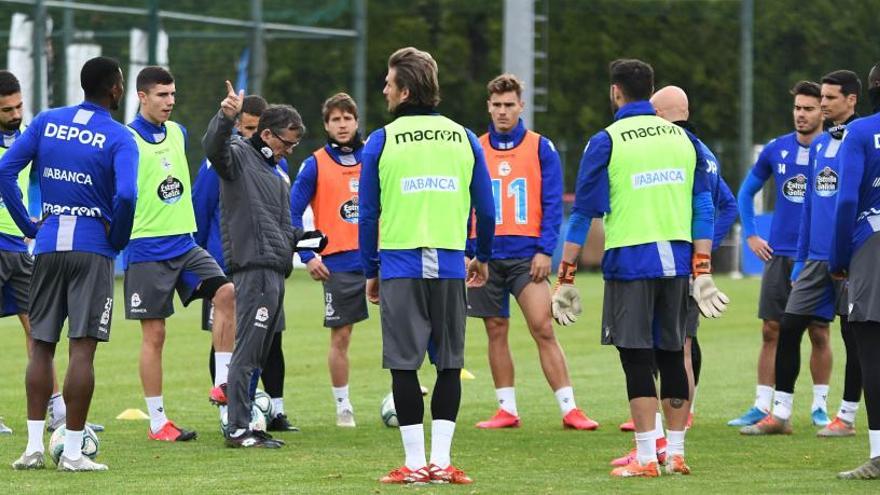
<point x="170" y="190"/>
<point x="795" y="188"/>
<point x="348" y="212"/>
<point x="826" y="182"/>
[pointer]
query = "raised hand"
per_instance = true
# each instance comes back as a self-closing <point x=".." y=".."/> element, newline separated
<point x="231" y="105"/>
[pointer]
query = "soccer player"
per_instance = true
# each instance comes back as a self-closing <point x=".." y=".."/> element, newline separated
<point x="527" y="183"/>
<point x="786" y="159"/>
<point x="814" y="294"/>
<point x="87" y="164"/>
<point x="420" y="177"/>
<point x="206" y="205"/>
<point x="652" y="246"/>
<point x="16" y="264"/>
<point x="162" y="256"/>
<point x="328" y="180"/>
<point x="258" y="244"/>
<point x="854" y="247"/>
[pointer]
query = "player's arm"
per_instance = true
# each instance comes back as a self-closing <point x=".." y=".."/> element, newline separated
<point x="754" y="182"/>
<point x="551" y="209"/>
<point x="216" y="138"/>
<point x="125" y="167"/>
<point x="591" y="201"/>
<point x="205" y="198"/>
<point x="22" y="152"/>
<point x="852" y="159"/>
<point x="368" y="212"/>
<point x="301" y="195"/>
<point x="725" y="212"/>
<point x="483" y="203"/>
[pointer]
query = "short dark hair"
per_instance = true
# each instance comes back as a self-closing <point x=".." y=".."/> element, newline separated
<point x="849" y="81"/>
<point x="9" y="84"/>
<point x="98" y="76"/>
<point x="278" y="118"/>
<point x="634" y="78"/>
<point x="151" y="76"/>
<point x="416" y="71"/>
<point x="340" y="101"/>
<point x="806" y="88"/>
<point x="505" y="83"/>
<point x="254" y="105"/>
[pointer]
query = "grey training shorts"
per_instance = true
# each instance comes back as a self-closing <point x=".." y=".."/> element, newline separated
<point x="815" y="293"/>
<point x="72" y="285"/>
<point x="775" y="288"/>
<point x="645" y="314"/>
<point x="345" y="299"/>
<point x="16" y="269"/>
<point x="506" y="277"/>
<point x="417" y="311"/>
<point x="864" y="282"/>
<point x="150" y="285"/>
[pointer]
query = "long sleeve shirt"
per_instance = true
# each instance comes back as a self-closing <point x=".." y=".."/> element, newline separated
<point x="823" y="183"/>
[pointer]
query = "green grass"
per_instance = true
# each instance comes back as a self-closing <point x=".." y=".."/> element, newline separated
<point x="540" y="457"/>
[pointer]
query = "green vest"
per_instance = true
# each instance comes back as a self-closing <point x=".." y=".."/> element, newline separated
<point x="651" y="179"/>
<point x="7" y="225"/>
<point x="164" y="201"/>
<point x="425" y="173"/>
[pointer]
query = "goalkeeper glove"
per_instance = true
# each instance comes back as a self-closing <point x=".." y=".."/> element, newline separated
<point x="566" y="301"/>
<point x="711" y="301"/>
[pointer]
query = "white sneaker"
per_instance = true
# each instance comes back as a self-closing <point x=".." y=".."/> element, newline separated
<point x="345" y="418"/>
<point x="33" y="461"/>
<point x="4" y="430"/>
<point x="81" y="464"/>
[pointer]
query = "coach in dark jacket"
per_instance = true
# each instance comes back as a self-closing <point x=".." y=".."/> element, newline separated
<point x="258" y="243"/>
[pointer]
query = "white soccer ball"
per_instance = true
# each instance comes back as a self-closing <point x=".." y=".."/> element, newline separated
<point x="388" y="412"/>
<point x="258" y="421"/>
<point x="90" y="443"/>
<point x="263" y="402"/>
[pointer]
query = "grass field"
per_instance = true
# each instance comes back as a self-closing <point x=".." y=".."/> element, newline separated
<point x="540" y="457"/>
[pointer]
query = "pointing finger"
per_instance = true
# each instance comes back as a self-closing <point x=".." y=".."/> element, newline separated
<point x="229" y="89"/>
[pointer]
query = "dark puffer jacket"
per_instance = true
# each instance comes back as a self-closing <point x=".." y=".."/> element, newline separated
<point x="254" y="203"/>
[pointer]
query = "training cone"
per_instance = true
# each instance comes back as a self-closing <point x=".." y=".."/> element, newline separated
<point x="467" y="375"/>
<point x="132" y="414"/>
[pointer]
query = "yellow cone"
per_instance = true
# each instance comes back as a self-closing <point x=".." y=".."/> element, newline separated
<point x="133" y="414"/>
<point x="467" y="375"/>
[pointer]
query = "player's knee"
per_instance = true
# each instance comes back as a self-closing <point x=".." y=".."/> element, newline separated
<point x="770" y="332"/>
<point x="543" y="333"/>
<point x="638" y="366"/>
<point x="673" y="377"/>
<point x="497" y="328"/>
<point x="340" y="338"/>
<point x="820" y="337"/>
<point x="154" y="333"/>
<point x="224" y="298"/>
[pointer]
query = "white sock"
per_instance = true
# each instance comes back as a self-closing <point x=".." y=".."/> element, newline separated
<point x="782" y="405"/>
<point x="820" y="397"/>
<point x="848" y="411"/>
<point x="658" y="426"/>
<point x="156" y="409"/>
<point x="35" y="436"/>
<point x="646" y="447"/>
<point x="340" y="394"/>
<point x="278" y="405"/>
<point x="565" y="398"/>
<point x="507" y="399"/>
<point x="73" y="441"/>
<point x="764" y="397"/>
<point x="413" y="437"/>
<point x="223" y="412"/>
<point x="694" y="400"/>
<point x="675" y="445"/>
<point x="441" y="442"/>
<point x="874" y="442"/>
<point x="221" y="367"/>
<point x="59" y="408"/>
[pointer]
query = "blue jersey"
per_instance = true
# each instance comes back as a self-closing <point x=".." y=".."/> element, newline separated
<point x="87" y="164"/>
<point x="304" y="188"/>
<point x="206" y="205"/>
<point x="408" y="263"/>
<point x="515" y="246"/>
<point x="823" y="182"/>
<point x="643" y="261"/>
<point x="787" y="161"/>
<point x="15" y="243"/>
<point x="162" y="247"/>
<point x="858" y="206"/>
<point x="722" y="197"/>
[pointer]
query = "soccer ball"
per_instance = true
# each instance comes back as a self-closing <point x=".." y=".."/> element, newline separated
<point x="388" y="412"/>
<point x="263" y="402"/>
<point x="90" y="443"/>
<point x="258" y="421"/>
